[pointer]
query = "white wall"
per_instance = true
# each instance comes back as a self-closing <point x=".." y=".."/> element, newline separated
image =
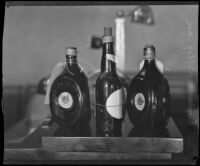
<point x="35" y="37"/>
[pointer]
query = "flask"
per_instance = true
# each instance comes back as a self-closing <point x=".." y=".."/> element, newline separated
<point x="109" y="92"/>
<point x="69" y="94"/>
<point x="148" y="97"/>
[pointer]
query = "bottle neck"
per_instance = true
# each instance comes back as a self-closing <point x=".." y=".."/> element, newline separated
<point x="150" y="65"/>
<point x="71" y="60"/>
<point x="108" y="65"/>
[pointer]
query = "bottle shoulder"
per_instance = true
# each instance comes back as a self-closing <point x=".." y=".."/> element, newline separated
<point x="107" y="81"/>
<point x="149" y="80"/>
<point x="79" y="79"/>
<point x="75" y="72"/>
<point x="108" y="77"/>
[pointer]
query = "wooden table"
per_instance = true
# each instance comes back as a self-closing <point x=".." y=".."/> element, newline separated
<point x="43" y="147"/>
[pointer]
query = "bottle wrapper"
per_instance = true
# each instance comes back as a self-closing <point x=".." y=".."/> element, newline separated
<point x="111" y="57"/>
<point x="159" y="65"/>
<point x="57" y="70"/>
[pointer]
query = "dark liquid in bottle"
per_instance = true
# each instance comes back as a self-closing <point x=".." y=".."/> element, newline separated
<point x="148" y="98"/>
<point x="108" y="93"/>
<point x="69" y="95"/>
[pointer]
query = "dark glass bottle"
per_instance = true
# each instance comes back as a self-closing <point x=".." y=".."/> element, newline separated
<point x="69" y="94"/>
<point x="109" y="92"/>
<point x="148" y="97"/>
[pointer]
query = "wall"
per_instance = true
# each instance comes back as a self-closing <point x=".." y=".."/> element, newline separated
<point x="35" y="38"/>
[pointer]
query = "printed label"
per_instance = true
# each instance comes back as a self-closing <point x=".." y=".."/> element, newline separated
<point x="139" y="101"/>
<point x="65" y="100"/>
<point x="111" y="57"/>
<point x="114" y="103"/>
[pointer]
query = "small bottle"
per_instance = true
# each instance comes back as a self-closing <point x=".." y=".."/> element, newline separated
<point x="109" y="92"/>
<point x="148" y="97"/>
<point x="69" y="94"/>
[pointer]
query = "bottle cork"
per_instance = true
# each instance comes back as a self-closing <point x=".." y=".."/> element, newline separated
<point x="107" y="31"/>
<point x="71" y="51"/>
<point x="149" y="51"/>
<point x="107" y="35"/>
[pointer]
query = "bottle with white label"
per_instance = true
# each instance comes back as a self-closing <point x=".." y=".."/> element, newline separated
<point x="109" y="92"/>
<point x="148" y="97"/>
<point x="69" y="94"/>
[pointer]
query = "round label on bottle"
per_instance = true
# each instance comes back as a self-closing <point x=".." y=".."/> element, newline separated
<point x="65" y="100"/>
<point x="139" y="101"/>
<point x="114" y="103"/>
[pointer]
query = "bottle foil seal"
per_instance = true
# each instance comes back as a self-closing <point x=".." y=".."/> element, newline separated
<point x="149" y="52"/>
<point x="71" y="51"/>
<point x="107" y="39"/>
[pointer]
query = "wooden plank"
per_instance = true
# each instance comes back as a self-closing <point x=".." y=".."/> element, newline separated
<point x="114" y="144"/>
<point x="142" y="141"/>
<point x="38" y="154"/>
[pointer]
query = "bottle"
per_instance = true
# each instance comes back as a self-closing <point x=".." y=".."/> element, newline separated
<point x="109" y="92"/>
<point x="148" y="97"/>
<point x="69" y="94"/>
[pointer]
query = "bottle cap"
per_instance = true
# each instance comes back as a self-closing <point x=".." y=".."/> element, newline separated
<point x="107" y="37"/>
<point x="72" y="51"/>
<point x="107" y="31"/>
<point x="149" y="51"/>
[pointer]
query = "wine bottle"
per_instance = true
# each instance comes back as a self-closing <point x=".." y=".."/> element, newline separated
<point x="109" y="92"/>
<point x="69" y="94"/>
<point x="148" y="97"/>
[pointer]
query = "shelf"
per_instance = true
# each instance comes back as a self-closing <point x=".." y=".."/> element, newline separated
<point x="43" y="146"/>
